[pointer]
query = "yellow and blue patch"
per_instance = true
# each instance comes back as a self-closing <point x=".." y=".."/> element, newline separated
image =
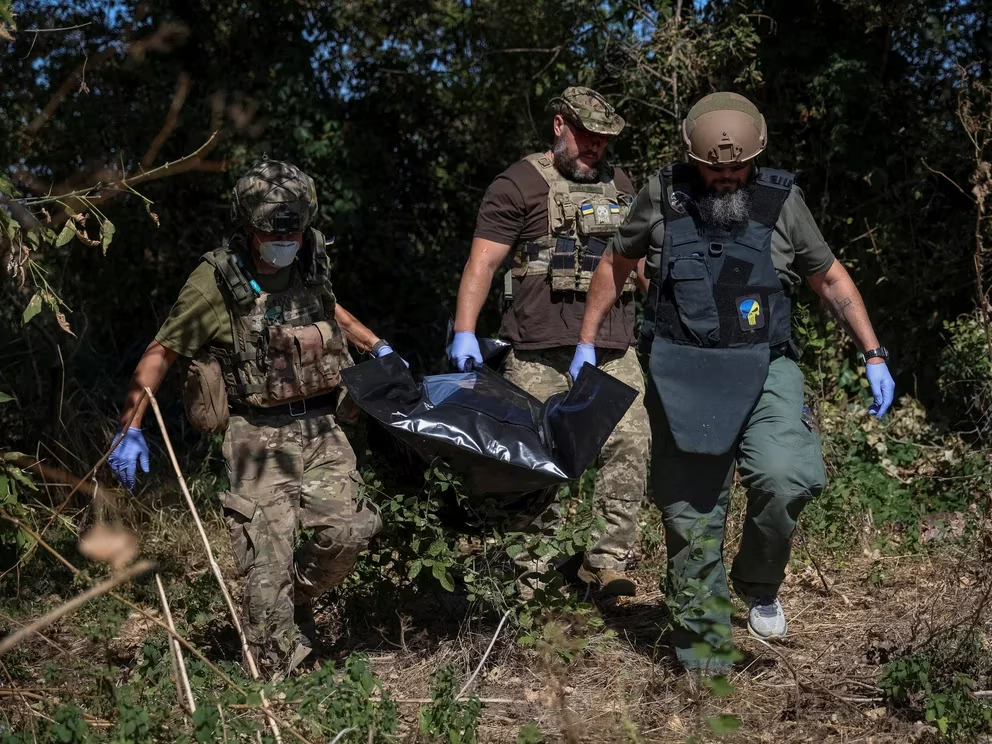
<point x="749" y="313"/>
<point x="587" y="210"/>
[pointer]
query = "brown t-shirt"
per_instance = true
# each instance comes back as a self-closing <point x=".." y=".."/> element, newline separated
<point x="515" y="209"/>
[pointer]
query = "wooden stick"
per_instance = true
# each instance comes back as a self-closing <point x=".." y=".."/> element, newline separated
<point x="252" y="667"/>
<point x="73" y="604"/>
<point x="182" y="678"/>
<point x="484" y="656"/>
<point x="341" y="733"/>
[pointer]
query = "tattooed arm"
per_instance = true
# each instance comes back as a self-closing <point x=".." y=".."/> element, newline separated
<point x="837" y="289"/>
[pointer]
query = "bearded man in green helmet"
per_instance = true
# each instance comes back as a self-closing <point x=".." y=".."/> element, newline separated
<point x="266" y="340"/>
<point x="726" y="244"/>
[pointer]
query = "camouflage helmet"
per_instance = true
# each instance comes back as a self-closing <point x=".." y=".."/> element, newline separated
<point x="724" y="128"/>
<point x="586" y="108"/>
<point x="275" y="197"/>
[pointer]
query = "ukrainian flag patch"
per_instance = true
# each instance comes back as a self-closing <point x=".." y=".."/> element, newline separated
<point x="587" y="210"/>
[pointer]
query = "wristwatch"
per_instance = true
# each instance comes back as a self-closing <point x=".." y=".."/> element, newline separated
<point x="374" y="351"/>
<point x="881" y="352"/>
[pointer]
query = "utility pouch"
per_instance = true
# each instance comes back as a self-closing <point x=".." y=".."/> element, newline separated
<point x="598" y="218"/>
<point x="205" y="395"/>
<point x="692" y="286"/>
<point x="301" y="362"/>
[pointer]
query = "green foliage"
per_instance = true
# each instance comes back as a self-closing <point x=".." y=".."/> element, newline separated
<point x="15" y="482"/>
<point x="321" y="712"/>
<point x="966" y="374"/>
<point x="530" y="733"/>
<point x="68" y="726"/>
<point x="726" y="724"/>
<point x="433" y="538"/>
<point x="447" y="719"/>
<point x="934" y="684"/>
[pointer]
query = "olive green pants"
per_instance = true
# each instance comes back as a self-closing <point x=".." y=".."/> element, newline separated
<point x="780" y="464"/>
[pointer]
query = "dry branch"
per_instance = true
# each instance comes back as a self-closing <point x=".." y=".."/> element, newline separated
<point x="215" y="568"/>
<point x="73" y="604"/>
<point x="152" y="619"/>
<point x="183" y="689"/>
<point x="484" y="656"/>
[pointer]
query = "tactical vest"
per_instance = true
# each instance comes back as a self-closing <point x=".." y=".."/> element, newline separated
<point x="582" y="217"/>
<point x="287" y="345"/>
<point x="716" y="310"/>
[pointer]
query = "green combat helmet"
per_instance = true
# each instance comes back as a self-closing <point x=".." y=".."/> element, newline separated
<point x="275" y="197"/>
<point x="586" y="108"/>
<point x="724" y="128"/>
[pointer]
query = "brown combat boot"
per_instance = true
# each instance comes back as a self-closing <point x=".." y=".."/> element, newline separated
<point x="608" y="583"/>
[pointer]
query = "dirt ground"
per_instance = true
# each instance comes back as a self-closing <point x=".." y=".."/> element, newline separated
<point x="818" y="685"/>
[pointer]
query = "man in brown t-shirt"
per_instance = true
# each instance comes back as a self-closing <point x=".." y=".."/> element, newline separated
<point x="549" y="217"/>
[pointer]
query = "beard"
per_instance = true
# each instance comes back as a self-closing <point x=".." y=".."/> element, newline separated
<point x="570" y="167"/>
<point x="729" y="212"/>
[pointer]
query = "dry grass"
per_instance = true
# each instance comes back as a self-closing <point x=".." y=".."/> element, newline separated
<point x="817" y="686"/>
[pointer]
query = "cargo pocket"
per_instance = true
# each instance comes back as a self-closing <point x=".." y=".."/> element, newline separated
<point x="239" y="514"/>
<point x="814" y="474"/>
<point x="346" y="518"/>
<point x="693" y="289"/>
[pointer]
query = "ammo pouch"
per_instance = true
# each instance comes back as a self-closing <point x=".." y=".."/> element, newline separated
<point x="205" y="394"/>
<point x="300" y="362"/>
<point x="563" y="265"/>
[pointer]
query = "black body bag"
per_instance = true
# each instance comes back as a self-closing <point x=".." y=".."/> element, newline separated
<point x="509" y="451"/>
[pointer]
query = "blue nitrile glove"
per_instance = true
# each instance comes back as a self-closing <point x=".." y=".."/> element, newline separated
<point x="883" y="388"/>
<point x="465" y="346"/>
<point x="389" y="350"/>
<point x="130" y="453"/>
<point x="583" y="353"/>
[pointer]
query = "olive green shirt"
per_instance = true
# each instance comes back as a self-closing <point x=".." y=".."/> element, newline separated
<point x="798" y="248"/>
<point x="200" y="316"/>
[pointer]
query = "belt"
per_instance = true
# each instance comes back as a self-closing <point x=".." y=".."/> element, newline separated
<point x="296" y="408"/>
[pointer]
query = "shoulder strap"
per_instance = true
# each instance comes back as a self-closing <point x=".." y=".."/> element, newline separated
<point x="241" y="289"/>
<point x="314" y="264"/>
<point x="675" y="183"/>
<point x="543" y="164"/>
<point x="558" y="193"/>
<point x="771" y="188"/>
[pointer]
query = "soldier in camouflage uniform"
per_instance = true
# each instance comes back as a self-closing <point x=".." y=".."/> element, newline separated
<point x="266" y="340"/>
<point x="549" y="217"/>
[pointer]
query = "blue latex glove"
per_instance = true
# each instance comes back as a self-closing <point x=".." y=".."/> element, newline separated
<point x="389" y="350"/>
<point x="883" y="388"/>
<point x="465" y="346"/>
<point x="583" y="353"/>
<point x="130" y="453"/>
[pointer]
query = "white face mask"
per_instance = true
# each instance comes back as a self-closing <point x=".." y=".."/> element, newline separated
<point x="278" y="253"/>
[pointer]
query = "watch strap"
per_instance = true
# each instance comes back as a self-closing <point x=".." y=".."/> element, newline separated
<point x="880" y="352"/>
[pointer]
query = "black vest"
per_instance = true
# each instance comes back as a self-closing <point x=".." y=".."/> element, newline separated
<point x="716" y="310"/>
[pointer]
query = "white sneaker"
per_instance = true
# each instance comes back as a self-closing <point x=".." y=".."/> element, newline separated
<point x="766" y="618"/>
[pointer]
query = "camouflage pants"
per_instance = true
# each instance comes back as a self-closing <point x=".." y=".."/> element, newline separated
<point x="290" y="473"/>
<point x="620" y="482"/>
